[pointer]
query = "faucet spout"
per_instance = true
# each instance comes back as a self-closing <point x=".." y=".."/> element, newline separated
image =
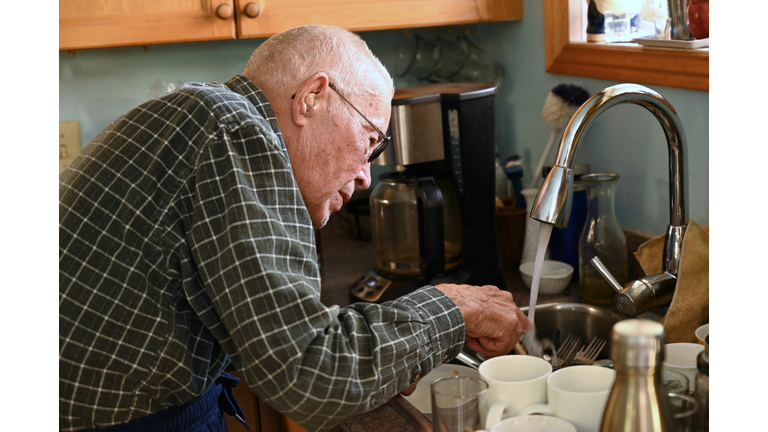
<point x="553" y="202"/>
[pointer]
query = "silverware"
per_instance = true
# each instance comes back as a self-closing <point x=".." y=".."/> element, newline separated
<point x="567" y="351"/>
<point x="563" y="356"/>
<point x="547" y="351"/>
<point x="468" y="360"/>
<point x="520" y="350"/>
<point x="588" y="355"/>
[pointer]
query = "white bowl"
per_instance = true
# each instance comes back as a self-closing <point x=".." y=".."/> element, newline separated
<point x="555" y="276"/>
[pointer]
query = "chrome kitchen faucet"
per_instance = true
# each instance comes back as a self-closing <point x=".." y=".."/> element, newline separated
<point x="553" y="202"/>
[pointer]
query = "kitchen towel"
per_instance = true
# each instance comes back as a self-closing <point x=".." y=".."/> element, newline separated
<point x="689" y="308"/>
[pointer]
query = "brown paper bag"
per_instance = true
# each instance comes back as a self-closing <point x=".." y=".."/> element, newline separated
<point x="689" y="308"/>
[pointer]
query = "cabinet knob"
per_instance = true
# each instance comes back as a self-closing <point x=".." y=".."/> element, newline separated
<point x="252" y="10"/>
<point x="224" y="11"/>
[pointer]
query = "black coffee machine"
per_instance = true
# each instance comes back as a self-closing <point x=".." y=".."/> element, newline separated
<point x="433" y="219"/>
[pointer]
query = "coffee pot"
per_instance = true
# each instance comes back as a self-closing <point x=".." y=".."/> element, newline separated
<point x="433" y="219"/>
<point x="416" y="224"/>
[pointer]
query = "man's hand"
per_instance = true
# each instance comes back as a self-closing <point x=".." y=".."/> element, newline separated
<point x="493" y="321"/>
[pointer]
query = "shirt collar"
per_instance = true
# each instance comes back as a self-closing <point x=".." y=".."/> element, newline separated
<point x="246" y="88"/>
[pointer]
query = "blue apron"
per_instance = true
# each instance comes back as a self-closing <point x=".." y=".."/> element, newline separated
<point x="205" y="414"/>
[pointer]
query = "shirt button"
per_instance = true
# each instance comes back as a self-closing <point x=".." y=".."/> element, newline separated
<point x="417" y="377"/>
<point x="446" y="358"/>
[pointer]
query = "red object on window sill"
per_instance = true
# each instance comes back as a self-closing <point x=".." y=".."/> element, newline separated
<point x="698" y="18"/>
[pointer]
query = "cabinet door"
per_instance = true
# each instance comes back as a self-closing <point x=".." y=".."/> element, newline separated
<point x="109" y="23"/>
<point x="274" y="16"/>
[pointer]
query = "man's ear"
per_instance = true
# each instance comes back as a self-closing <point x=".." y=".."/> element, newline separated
<point x="310" y="99"/>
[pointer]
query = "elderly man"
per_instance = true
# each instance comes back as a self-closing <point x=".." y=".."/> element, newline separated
<point x="186" y="244"/>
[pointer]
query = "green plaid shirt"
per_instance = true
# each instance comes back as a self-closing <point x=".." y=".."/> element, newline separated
<point x="184" y="244"/>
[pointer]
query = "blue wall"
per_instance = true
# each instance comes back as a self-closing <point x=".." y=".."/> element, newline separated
<point x="97" y="86"/>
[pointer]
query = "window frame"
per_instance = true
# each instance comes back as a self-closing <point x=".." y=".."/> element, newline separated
<point x="686" y="69"/>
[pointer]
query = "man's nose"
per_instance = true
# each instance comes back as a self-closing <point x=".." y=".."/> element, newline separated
<point x="363" y="179"/>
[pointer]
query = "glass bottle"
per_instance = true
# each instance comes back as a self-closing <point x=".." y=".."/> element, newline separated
<point x="638" y="401"/>
<point x="701" y="393"/>
<point x="603" y="237"/>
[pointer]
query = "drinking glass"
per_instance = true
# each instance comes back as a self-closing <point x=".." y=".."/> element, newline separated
<point x="456" y="403"/>
<point x="417" y="57"/>
<point x="683" y="408"/>
<point x="453" y="53"/>
<point x="479" y="67"/>
<point x="674" y="382"/>
<point x="661" y="27"/>
<point x="617" y="26"/>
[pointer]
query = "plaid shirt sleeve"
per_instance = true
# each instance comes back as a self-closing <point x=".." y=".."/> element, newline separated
<point x="230" y="268"/>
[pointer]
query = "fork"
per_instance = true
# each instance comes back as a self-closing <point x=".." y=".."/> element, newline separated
<point x="567" y="351"/>
<point x="588" y="355"/>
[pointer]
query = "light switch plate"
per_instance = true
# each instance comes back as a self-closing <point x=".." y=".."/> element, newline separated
<point x="69" y="143"/>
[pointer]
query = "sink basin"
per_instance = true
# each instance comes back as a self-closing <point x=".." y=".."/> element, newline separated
<point x="556" y="321"/>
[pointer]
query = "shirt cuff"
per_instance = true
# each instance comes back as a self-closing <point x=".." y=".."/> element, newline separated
<point x="447" y="327"/>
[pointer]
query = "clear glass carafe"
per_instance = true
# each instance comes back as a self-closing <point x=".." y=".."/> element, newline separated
<point x="404" y="208"/>
<point x="603" y="237"/>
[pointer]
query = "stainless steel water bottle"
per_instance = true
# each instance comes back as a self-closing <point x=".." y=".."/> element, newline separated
<point x="637" y="402"/>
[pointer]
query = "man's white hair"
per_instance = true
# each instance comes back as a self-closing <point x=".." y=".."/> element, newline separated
<point x="284" y="61"/>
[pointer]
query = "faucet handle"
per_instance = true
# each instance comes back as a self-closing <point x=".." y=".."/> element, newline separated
<point x="639" y="295"/>
<point x="600" y="267"/>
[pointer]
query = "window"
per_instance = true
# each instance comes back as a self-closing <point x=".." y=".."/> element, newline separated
<point x="566" y="54"/>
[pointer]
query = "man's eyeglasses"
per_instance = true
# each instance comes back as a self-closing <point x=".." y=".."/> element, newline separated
<point x="381" y="145"/>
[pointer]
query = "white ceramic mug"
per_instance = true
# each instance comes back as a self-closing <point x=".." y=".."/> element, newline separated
<point x="701" y="334"/>
<point x="681" y="357"/>
<point x="536" y="423"/>
<point x="577" y="394"/>
<point x="514" y="382"/>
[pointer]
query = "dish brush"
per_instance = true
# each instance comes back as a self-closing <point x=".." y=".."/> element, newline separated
<point x="561" y="104"/>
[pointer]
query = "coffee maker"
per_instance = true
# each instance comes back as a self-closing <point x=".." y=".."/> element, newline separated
<point x="433" y="218"/>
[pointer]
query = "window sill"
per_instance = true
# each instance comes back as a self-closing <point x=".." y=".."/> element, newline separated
<point x="687" y="69"/>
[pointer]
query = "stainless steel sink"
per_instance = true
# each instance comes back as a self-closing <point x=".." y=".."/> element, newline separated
<point x="556" y="321"/>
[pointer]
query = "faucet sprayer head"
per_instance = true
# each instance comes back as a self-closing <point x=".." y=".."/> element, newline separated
<point x="553" y="202"/>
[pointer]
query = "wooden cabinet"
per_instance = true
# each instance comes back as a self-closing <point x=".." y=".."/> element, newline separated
<point x="108" y="23"/>
<point x="360" y="15"/>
